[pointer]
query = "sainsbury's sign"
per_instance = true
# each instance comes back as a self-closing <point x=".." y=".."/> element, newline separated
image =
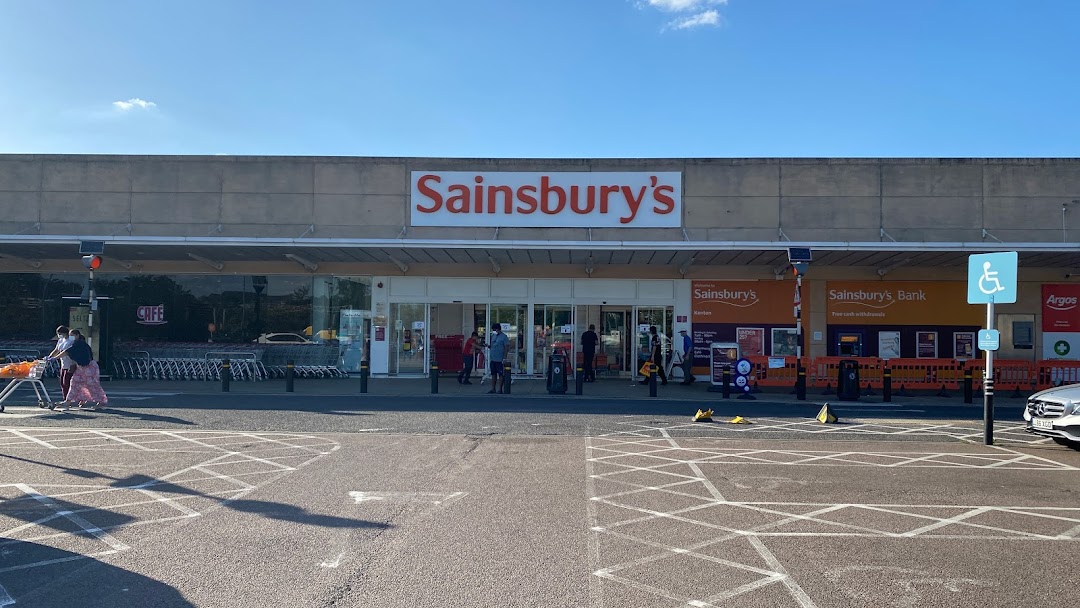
<point x="540" y="199"/>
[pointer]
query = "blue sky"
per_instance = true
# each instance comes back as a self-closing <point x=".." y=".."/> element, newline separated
<point x="541" y="78"/>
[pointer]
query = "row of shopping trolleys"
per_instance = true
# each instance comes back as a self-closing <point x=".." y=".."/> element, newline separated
<point x="191" y="368"/>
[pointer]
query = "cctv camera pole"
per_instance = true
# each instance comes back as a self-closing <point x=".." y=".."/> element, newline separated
<point x="988" y="382"/>
<point x="800" y="378"/>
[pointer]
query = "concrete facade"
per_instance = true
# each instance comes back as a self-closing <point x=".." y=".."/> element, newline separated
<point x="809" y="200"/>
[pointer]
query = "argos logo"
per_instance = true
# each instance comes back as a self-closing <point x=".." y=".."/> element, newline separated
<point x="1062" y="302"/>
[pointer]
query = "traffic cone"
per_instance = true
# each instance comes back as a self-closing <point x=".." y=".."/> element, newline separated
<point x="944" y="392"/>
<point x="828" y="389"/>
<point x="701" y="416"/>
<point x="739" y="420"/>
<point x="826" y="416"/>
<point x="869" y="391"/>
<point x="902" y="392"/>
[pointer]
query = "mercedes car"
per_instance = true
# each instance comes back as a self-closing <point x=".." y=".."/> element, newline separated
<point x="1055" y="413"/>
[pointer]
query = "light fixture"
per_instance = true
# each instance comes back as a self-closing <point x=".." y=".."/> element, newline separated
<point x="685" y="268"/>
<point x="589" y="267"/>
<point x="884" y="270"/>
<point x="306" y="263"/>
<point x="495" y="264"/>
<point x="780" y="271"/>
<point x="208" y="262"/>
<point x="401" y="265"/>
<point x="15" y="258"/>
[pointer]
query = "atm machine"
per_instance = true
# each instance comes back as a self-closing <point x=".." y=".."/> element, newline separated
<point x="849" y="345"/>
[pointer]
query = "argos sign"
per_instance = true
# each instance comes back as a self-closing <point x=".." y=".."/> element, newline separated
<point x="1061" y="307"/>
<point x="539" y="200"/>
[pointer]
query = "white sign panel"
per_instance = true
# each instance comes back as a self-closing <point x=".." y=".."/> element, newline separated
<point x="540" y="199"/>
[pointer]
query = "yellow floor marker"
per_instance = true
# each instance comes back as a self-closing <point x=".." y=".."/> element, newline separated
<point x="826" y="416"/>
<point x="701" y="416"/>
<point x="739" y="420"/>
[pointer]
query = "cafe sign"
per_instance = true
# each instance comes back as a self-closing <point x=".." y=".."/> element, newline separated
<point x="151" y="315"/>
<point x="546" y="199"/>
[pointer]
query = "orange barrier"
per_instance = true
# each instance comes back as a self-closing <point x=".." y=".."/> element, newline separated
<point x="926" y="373"/>
<point x="823" y="371"/>
<point x="1008" y="374"/>
<point x="777" y="376"/>
<point x="1052" y="372"/>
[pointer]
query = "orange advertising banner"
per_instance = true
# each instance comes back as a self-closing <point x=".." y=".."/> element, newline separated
<point x="770" y="302"/>
<point x="900" y="303"/>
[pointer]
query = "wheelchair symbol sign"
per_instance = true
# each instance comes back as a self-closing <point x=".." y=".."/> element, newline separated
<point x="992" y="278"/>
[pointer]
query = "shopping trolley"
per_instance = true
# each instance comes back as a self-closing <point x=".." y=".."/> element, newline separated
<point x="26" y="371"/>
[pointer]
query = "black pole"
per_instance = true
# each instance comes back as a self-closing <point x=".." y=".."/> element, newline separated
<point x="226" y="375"/>
<point x="290" y="372"/>
<point x="800" y="382"/>
<point x="988" y="411"/>
<point x="652" y="379"/>
<point x="969" y="396"/>
<point x="580" y="380"/>
<point x="364" y="373"/>
<point x="886" y="381"/>
<point x="434" y="378"/>
<point x="505" y="379"/>
<point x="725" y="382"/>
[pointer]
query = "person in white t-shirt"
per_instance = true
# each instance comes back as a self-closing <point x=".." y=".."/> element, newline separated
<point x="67" y="365"/>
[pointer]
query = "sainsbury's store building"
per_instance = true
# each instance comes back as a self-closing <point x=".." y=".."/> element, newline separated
<point x="406" y="255"/>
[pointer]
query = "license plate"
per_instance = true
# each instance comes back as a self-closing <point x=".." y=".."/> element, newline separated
<point x="1042" y="423"/>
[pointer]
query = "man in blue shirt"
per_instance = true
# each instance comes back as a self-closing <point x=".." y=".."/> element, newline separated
<point x="497" y="347"/>
<point x="688" y="358"/>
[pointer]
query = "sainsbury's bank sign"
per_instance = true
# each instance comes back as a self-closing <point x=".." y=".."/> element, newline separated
<point x="540" y="200"/>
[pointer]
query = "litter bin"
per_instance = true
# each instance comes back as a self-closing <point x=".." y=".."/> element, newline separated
<point x="556" y="373"/>
<point x="847" y="381"/>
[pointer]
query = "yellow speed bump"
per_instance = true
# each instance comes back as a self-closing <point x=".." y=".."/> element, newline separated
<point x="826" y="415"/>
<point x="701" y="416"/>
<point x="739" y="420"/>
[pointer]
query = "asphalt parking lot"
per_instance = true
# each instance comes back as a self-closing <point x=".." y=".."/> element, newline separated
<point x="645" y="514"/>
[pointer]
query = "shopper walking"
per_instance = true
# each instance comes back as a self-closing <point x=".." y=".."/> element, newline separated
<point x="468" y="355"/>
<point x="85" y="390"/>
<point x="67" y="366"/>
<point x="657" y="358"/>
<point x="497" y="348"/>
<point x="687" y="358"/>
<point x="588" y="353"/>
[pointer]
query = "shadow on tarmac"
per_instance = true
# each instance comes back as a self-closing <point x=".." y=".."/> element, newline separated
<point x="33" y="574"/>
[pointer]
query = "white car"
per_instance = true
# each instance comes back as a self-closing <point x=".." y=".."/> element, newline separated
<point x="1055" y="413"/>
<point x="282" y="338"/>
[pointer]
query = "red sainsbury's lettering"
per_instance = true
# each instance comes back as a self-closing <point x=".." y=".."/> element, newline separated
<point x="436" y="198"/>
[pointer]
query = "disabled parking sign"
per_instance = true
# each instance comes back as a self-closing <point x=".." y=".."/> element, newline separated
<point x="992" y="278"/>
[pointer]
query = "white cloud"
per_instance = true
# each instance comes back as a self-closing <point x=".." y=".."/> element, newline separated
<point x="134" y="102"/>
<point x="699" y="20"/>
<point x="677" y="6"/>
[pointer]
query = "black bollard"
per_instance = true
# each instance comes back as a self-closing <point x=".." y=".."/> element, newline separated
<point x="800" y="384"/>
<point x="725" y="382"/>
<point x="226" y="375"/>
<point x="290" y="373"/>
<point x="886" y="385"/>
<point x="580" y="377"/>
<point x="364" y="373"/>
<point x="652" y="379"/>
<point x="969" y="396"/>
<point x="506" y="379"/>
<point x="434" y="378"/>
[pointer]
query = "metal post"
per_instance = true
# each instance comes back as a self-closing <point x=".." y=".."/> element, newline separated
<point x="652" y="379"/>
<point x="800" y="382"/>
<point x="968" y="392"/>
<point x="290" y="372"/>
<point x="90" y="316"/>
<point x="725" y="380"/>
<point x="226" y="375"/>
<point x="886" y="382"/>
<point x="434" y="378"/>
<point x="364" y="373"/>
<point x="988" y="383"/>
<point x="580" y="380"/>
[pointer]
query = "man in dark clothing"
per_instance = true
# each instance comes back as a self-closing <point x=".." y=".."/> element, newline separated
<point x="588" y="352"/>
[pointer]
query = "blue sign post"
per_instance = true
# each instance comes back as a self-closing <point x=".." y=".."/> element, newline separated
<point x="991" y="280"/>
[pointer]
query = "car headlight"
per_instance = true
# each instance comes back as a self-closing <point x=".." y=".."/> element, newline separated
<point x="1073" y="408"/>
